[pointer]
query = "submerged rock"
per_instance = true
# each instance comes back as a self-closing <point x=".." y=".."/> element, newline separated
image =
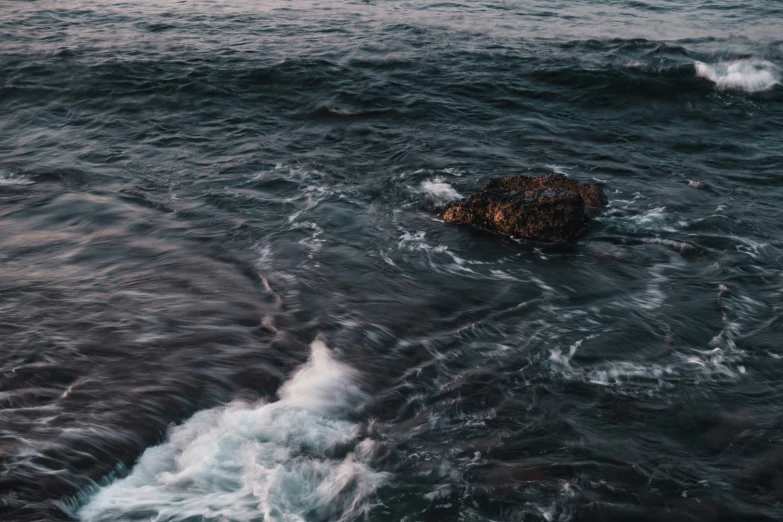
<point x="546" y="209"/>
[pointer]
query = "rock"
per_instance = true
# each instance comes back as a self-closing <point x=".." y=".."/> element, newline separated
<point x="546" y="209"/>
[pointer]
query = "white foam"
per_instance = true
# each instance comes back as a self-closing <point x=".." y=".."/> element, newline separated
<point x="314" y="242"/>
<point x="437" y="257"/>
<point x="607" y="373"/>
<point x="265" y="461"/>
<point x="651" y="220"/>
<point x="416" y="241"/>
<point x="680" y="246"/>
<point x="453" y="171"/>
<point x="558" y="169"/>
<point x="11" y="179"/>
<point x="439" y="190"/>
<point x="749" y="75"/>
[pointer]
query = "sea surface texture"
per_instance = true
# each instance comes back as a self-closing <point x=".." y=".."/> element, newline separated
<point x="226" y="296"/>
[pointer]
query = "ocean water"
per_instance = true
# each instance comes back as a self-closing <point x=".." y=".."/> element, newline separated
<point x="225" y="294"/>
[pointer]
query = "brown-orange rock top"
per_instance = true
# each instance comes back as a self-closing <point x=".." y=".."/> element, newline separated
<point x="546" y="209"/>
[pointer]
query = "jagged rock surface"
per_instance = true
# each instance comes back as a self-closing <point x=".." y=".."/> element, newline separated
<point x="546" y="209"/>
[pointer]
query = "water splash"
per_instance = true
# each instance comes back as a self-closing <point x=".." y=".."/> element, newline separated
<point x="749" y="75"/>
<point x="439" y="190"/>
<point x="280" y="461"/>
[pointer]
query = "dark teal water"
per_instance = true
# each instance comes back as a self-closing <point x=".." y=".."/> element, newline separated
<point x="225" y="296"/>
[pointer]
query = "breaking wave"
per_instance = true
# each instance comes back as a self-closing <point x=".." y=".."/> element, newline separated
<point x="749" y="75"/>
<point x="292" y="460"/>
<point x="439" y="190"/>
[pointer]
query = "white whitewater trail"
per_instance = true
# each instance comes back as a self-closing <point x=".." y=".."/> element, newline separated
<point x="749" y="75"/>
<point x="250" y="462"/>
<point x="439" y="190"/>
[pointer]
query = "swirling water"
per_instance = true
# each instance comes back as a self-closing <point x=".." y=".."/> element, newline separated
<point x="224" y="295"/>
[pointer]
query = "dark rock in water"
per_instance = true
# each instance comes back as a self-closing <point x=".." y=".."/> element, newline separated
<point x="546" y="209"/>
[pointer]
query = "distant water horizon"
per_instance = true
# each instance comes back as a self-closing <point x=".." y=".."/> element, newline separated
<point x="226" y="293"/>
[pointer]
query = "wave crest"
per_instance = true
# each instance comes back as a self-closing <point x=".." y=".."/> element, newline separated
<point x="749" y="75"/>
<point x="281" y="461"/>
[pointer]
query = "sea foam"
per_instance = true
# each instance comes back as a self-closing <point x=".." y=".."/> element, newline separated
<point x="292" y="460"/>
<point x="749" y="75"/>
<point x="439" y="190"/>
<point x="10" y="179"/>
